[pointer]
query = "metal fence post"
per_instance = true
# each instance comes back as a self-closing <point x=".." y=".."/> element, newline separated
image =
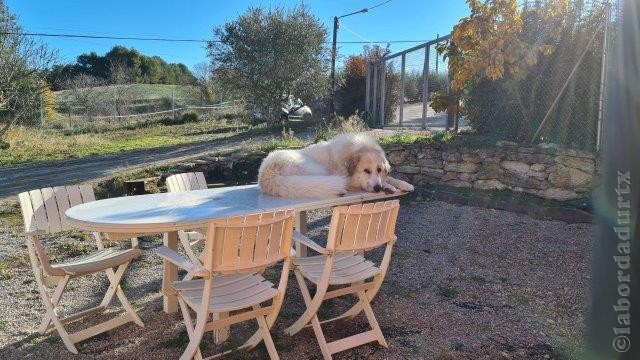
<point x="173" y="101"/>
<point x="603" y="75"/>
<point x="367" y="104"/>
<point x="374" y="108"/>
<point x="41" y="108"/>
<point x="383" y="91"/>
<point x="425" y="86"/>
<point x="401" y="112"/>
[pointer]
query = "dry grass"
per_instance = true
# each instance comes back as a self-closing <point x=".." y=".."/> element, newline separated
<point x="30" y="145"/>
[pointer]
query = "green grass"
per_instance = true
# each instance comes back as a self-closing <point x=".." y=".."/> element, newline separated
<point x="32" y="145"/>
<point x="410" y="138"/>
<point x="5" y="271"/>
<point x="286" y="143"/>
<point x="141" y="91"/>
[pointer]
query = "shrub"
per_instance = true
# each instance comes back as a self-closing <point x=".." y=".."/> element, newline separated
<point x="340" y="125"/>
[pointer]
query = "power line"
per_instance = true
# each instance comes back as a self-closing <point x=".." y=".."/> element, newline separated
<point x="161" y="39"/>
<point x="382" y="3"/>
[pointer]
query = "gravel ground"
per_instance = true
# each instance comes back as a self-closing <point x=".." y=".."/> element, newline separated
<point x="464" y="283"/>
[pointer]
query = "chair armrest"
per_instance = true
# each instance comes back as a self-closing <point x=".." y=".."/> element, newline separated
<point x="298" y="237"/>
<point x="181" y="262"/>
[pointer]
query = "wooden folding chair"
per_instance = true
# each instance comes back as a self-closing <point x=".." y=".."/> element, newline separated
<point x="189" y="239"/>
<point x="43" y="212"/>
<point x="237" y="251"/>
<point x="353" y="230"/>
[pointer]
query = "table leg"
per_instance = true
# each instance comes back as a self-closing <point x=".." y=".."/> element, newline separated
<point x="170" y="274"/>
<point x="301" y="226"/>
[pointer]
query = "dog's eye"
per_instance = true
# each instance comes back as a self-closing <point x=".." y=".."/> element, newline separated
<point x="379" y="170"/>
<point x="367" y="171"/>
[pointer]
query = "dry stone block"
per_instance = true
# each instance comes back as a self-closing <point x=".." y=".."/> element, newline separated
<point x="470" y="177"/>
<point x="564" y="177"/>
<point x="471" y="157"/>
<point x="459" y="183"/>
<point x="437" y="173"/>
<point x="515" y="167"/>
<point x="557" y="194"/>
<point x="450" y="176"/>
<point x="451" y="156"/>
<point x="430" y="162"/>
<point x="538" y="167"/>
<point x="406" y="169"/>
<point x="491" y="184"/>
<point x="584" y="164"/>
<point x="465" y="167"/>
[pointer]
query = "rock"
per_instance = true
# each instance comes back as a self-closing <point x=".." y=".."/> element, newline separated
<point x="437" y="173"/>
<point x="584" y="164"/>
<point x="471" y="157"/>
<point x="489" y="170"/>
<point x="557" y="194"/>
<point x="470" y="177"/>
<point x="408" y="169"/>
<point x="540" y="175"/>
<point x="395" y="157"/>
<point x="538" y="167"/>
<point x="466" y="167"/>
<point x="564" y="177"/>
<point x="459" y="183"/>
<point x="451" y="156"/>
<point x="548" y="148"/>
<point x="527" y="150"/>
<point x="491" y="184"/>
<point x="430" y="162"/>
<point x="485" y="153"/>
<point x="535" y="158"/>
<point x="515" y="166"/>
<point x="503" y="143"/>
<point x="450" y="176"/>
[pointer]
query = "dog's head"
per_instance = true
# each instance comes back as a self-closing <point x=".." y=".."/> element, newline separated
<point x="368" y="170"/>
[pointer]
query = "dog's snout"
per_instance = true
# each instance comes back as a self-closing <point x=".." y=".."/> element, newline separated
<point x="377" y="188"/>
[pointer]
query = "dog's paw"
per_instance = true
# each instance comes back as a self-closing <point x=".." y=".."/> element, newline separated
<point x="388" y="189"/>
<point x="405" y="186"/>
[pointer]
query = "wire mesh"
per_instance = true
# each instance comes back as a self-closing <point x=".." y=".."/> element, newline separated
<point x="556" y="100"/>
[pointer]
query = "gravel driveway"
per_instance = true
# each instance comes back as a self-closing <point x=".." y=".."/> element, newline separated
<point x="464" y="283"/>
<point x="19" y="178"/>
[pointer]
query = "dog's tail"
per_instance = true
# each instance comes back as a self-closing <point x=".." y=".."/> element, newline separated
<point x="307" y="186"/>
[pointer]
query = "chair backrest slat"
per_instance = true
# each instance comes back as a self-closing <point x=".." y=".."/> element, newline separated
<point x="363" y="227"/>
<point x="43" y="209"/>
<point x="245" y="243"/>
<point x="51" y="208"/>
<point x="27" y="212"/>
<point x="186" y="182"/>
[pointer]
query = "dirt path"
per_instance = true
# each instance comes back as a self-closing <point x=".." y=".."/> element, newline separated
<point x="16" y="179"/>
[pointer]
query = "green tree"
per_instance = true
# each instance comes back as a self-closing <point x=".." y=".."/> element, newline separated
<point x="267" y="55"/>
<point x="22" y="64"/>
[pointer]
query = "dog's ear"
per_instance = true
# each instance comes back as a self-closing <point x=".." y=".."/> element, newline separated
<point x="352" y="164"/>
<point x="386" y="166"/>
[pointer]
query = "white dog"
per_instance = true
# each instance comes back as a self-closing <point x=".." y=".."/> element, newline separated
<point x="329" y="168"/>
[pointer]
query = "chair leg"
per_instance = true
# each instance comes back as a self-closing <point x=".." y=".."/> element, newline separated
<point x="368" y="311"/>
<point x="55" y="299"/>
<point x="186" y="245"/>
<point x="115" y="289"/>
<point x="52" y="313"/>
<point x="312" y="305"/>
<point x="188" y="323"/>
<point x="266" y="337"/>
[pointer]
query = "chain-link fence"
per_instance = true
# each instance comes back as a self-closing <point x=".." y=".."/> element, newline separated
<point x="557" y="100"/>
<point x="403" y="75"/>
<point x="122" y="105"/>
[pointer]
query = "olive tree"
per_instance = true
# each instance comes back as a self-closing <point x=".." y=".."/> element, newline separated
<point x="22" y="64"/>
<point x="267" y="55"/>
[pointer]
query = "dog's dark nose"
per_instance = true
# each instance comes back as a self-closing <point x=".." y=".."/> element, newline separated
<point x="377" y="188"/>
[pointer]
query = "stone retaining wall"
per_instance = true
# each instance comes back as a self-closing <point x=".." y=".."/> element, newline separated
<point x="544" y="170"/>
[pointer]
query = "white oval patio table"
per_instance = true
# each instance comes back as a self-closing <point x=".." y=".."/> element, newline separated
<point x="166" y="213"/>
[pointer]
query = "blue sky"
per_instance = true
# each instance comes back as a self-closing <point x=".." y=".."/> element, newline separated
<point x="397" y="20"/>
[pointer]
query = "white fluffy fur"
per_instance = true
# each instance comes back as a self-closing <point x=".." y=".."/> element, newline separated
<point x="319" y="170"/>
